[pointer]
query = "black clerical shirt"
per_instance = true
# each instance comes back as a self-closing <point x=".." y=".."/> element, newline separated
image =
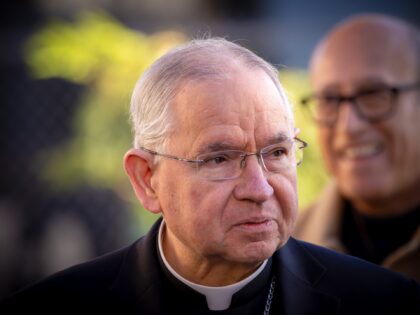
<point x="251" y="299"/>
<point x="374" y="239"/>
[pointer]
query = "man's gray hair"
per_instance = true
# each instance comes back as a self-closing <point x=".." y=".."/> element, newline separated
<point x="198" y="59"/>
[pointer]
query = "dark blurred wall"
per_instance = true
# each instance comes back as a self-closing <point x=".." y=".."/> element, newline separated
<point x="42" y="231"/>
<point x="295" y="26"/>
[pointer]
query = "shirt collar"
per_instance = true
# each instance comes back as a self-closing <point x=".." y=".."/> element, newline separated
<point x="218" y="298"/>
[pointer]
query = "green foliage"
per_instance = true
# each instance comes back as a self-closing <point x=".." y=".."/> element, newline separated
<point x="98" y="52"/>
<point x="108" y="58"/>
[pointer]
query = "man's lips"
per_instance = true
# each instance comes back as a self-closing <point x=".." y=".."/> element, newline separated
<point x="361" y="151"/>
<point x="257" y="224"/>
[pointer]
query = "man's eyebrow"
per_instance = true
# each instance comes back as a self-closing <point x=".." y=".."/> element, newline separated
<point x="228" y="145"/>
<point x="219" y="146"/>
<point x="279" y="138"/>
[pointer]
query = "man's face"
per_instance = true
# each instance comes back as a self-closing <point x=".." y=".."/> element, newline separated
<point x="241" y="220"/>
<point x="372" y="162"/>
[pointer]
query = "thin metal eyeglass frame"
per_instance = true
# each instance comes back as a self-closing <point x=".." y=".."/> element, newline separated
<point x="302" y="144"/>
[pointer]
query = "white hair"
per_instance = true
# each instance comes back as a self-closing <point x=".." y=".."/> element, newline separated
<point x="198" y="59"/>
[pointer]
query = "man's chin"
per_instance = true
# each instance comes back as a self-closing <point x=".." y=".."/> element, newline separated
<point x="257" y="252"/>
<point x="367" y="192"/>
<point x="363" y="185"/>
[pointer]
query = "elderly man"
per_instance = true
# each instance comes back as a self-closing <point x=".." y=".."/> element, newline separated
<point x="215" y="153"/>
<point x="366" y="78"/>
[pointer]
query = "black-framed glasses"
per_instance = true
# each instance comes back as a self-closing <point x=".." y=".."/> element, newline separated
<point x="371" y="104"/>
<point x="228" y="164"/>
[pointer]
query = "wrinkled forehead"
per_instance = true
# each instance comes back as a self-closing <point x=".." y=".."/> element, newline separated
<point x="244" y="105"/>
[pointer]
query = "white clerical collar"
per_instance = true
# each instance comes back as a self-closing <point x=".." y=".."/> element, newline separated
<point x="218" y="298"/>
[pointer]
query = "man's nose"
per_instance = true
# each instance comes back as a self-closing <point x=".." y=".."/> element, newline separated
<point x="348" y="119"/>
<point x="252" y="184"/>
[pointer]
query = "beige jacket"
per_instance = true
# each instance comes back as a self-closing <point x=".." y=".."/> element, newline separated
<point x="320" y="224"/>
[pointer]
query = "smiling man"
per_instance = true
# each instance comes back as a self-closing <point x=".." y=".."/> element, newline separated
<point x="366" y="78"/>
<point x="215" y="154"/>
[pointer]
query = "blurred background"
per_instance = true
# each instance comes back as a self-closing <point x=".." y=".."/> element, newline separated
<point x="67" y="69"/>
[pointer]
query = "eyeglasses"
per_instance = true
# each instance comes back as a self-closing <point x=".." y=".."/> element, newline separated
<point x="374" y="104"/>
<point x="228" y="164"/>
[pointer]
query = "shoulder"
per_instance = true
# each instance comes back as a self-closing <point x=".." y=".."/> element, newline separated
<point x="97" y="273"/>
<point x="356" y="281"/>
<point x="336" y="263"/>
<point x="109" y="283"/>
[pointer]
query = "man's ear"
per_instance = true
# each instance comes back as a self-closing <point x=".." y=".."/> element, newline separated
<point x="139" y="168"/>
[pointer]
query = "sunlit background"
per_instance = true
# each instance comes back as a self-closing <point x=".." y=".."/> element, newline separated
<point x="67" y="71"/>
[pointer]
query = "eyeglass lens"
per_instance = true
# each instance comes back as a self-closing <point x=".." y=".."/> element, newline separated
<point x="229" y="164"/>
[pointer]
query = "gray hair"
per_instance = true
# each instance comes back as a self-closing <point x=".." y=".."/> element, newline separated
<point x="198" y="59"/>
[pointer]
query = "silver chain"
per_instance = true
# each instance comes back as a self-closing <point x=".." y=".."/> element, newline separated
<point x="269" y="297"/>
